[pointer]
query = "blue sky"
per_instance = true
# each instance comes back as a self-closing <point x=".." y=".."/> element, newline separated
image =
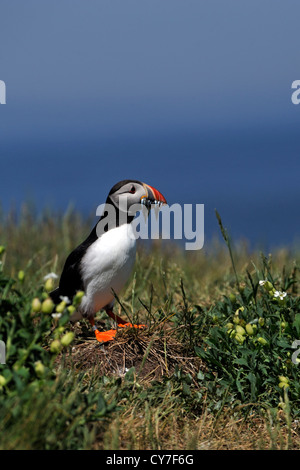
<point x="192" y="97"/>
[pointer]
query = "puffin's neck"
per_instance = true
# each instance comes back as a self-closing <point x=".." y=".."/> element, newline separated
<point x="112" y="218"/>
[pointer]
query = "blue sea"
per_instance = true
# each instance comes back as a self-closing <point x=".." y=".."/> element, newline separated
<point x="250" y="177"/>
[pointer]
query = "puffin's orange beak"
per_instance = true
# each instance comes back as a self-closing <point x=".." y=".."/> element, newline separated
<point x="153" y="196"/>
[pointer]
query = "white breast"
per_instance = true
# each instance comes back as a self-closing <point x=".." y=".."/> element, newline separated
<point x="107" y="265"/>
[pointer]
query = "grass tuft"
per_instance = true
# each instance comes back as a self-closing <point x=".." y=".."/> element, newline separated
<point x="214" y="369"/>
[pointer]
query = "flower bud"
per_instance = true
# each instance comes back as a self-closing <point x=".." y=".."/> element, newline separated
<point x="2" y="249"/>
<point x="240" y="338"/>
<point x="58" y="331"/>
<point x="262" y="341"/>
<point x="78" y="297"/>
<point x="39" y="368"/>
<point x="67" y="339"/>
<point x="49" y="284"/>
<point x="229" y="326"/>
<point x="283" y="384"/>
<point x="240" y="309"/>
<point x="71" y="309"/>
<point x="21" y="276"/>
<point x="3" y="381"/>
<point x="36" y="305"/>
<point x="240" y="330"/>
<point x="61" y="307"/>
<point x="268" y="286"/>
<point x="282" y="378"/>
<point x="242" y="286"/>
<point x="47" y="306"/>
<point x="261" y="321"/>
<point x="232" y="298"/>
<point x="249" y="329"/>
<point x="55" y="346"/>
<point x="231" y="333"/>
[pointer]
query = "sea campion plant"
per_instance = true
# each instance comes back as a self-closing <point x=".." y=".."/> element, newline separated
<point x="30" y="380"/>
<point x="248" y="349"/>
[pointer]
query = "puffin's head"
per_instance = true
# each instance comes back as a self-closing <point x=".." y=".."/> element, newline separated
<point x="128" y="193"/>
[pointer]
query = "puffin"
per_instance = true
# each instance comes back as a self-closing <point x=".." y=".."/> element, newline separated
<point x="102" y="264"/>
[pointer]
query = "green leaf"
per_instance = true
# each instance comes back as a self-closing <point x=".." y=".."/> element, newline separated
<point x="200" y="375"/>
<point x="186" y="389"/>
<point x="252" y="379"/>
<point x="130" y="374"/>
<point x="101" y="406"/>
<point x="199" y="351"/>
<point x="240" y="388"/>
<point x="241" y="361"/>
<point x="296" y="323"/>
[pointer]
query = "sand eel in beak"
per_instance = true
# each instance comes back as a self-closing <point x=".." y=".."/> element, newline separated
<point x="102" y="264"/>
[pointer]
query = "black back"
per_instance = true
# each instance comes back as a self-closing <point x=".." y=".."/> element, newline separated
<point x="71" y="279"/>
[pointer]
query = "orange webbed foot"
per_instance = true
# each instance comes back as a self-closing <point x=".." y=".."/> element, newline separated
<point x="129" y="325"/>
<point x="105" y="336"/>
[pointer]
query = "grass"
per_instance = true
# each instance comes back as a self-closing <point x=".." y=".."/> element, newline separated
<point x="212" y="370"/>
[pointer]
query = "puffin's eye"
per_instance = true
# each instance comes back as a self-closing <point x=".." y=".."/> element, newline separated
<point x="132" y="190"/>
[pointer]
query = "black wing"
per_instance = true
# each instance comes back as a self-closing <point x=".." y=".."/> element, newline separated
<point x="71" y="280"/>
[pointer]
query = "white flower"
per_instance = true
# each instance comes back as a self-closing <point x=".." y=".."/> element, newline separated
<point x="56" y="316"/>
<point x="262" y="283"/>
<point x="65" y="299"/>
<point x="50" y="276"/>
<point x="280" y="294"/>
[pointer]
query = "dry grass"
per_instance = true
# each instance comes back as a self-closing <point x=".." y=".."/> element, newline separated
<point x="151" y="429"/>
<point x="152" y="355"/>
